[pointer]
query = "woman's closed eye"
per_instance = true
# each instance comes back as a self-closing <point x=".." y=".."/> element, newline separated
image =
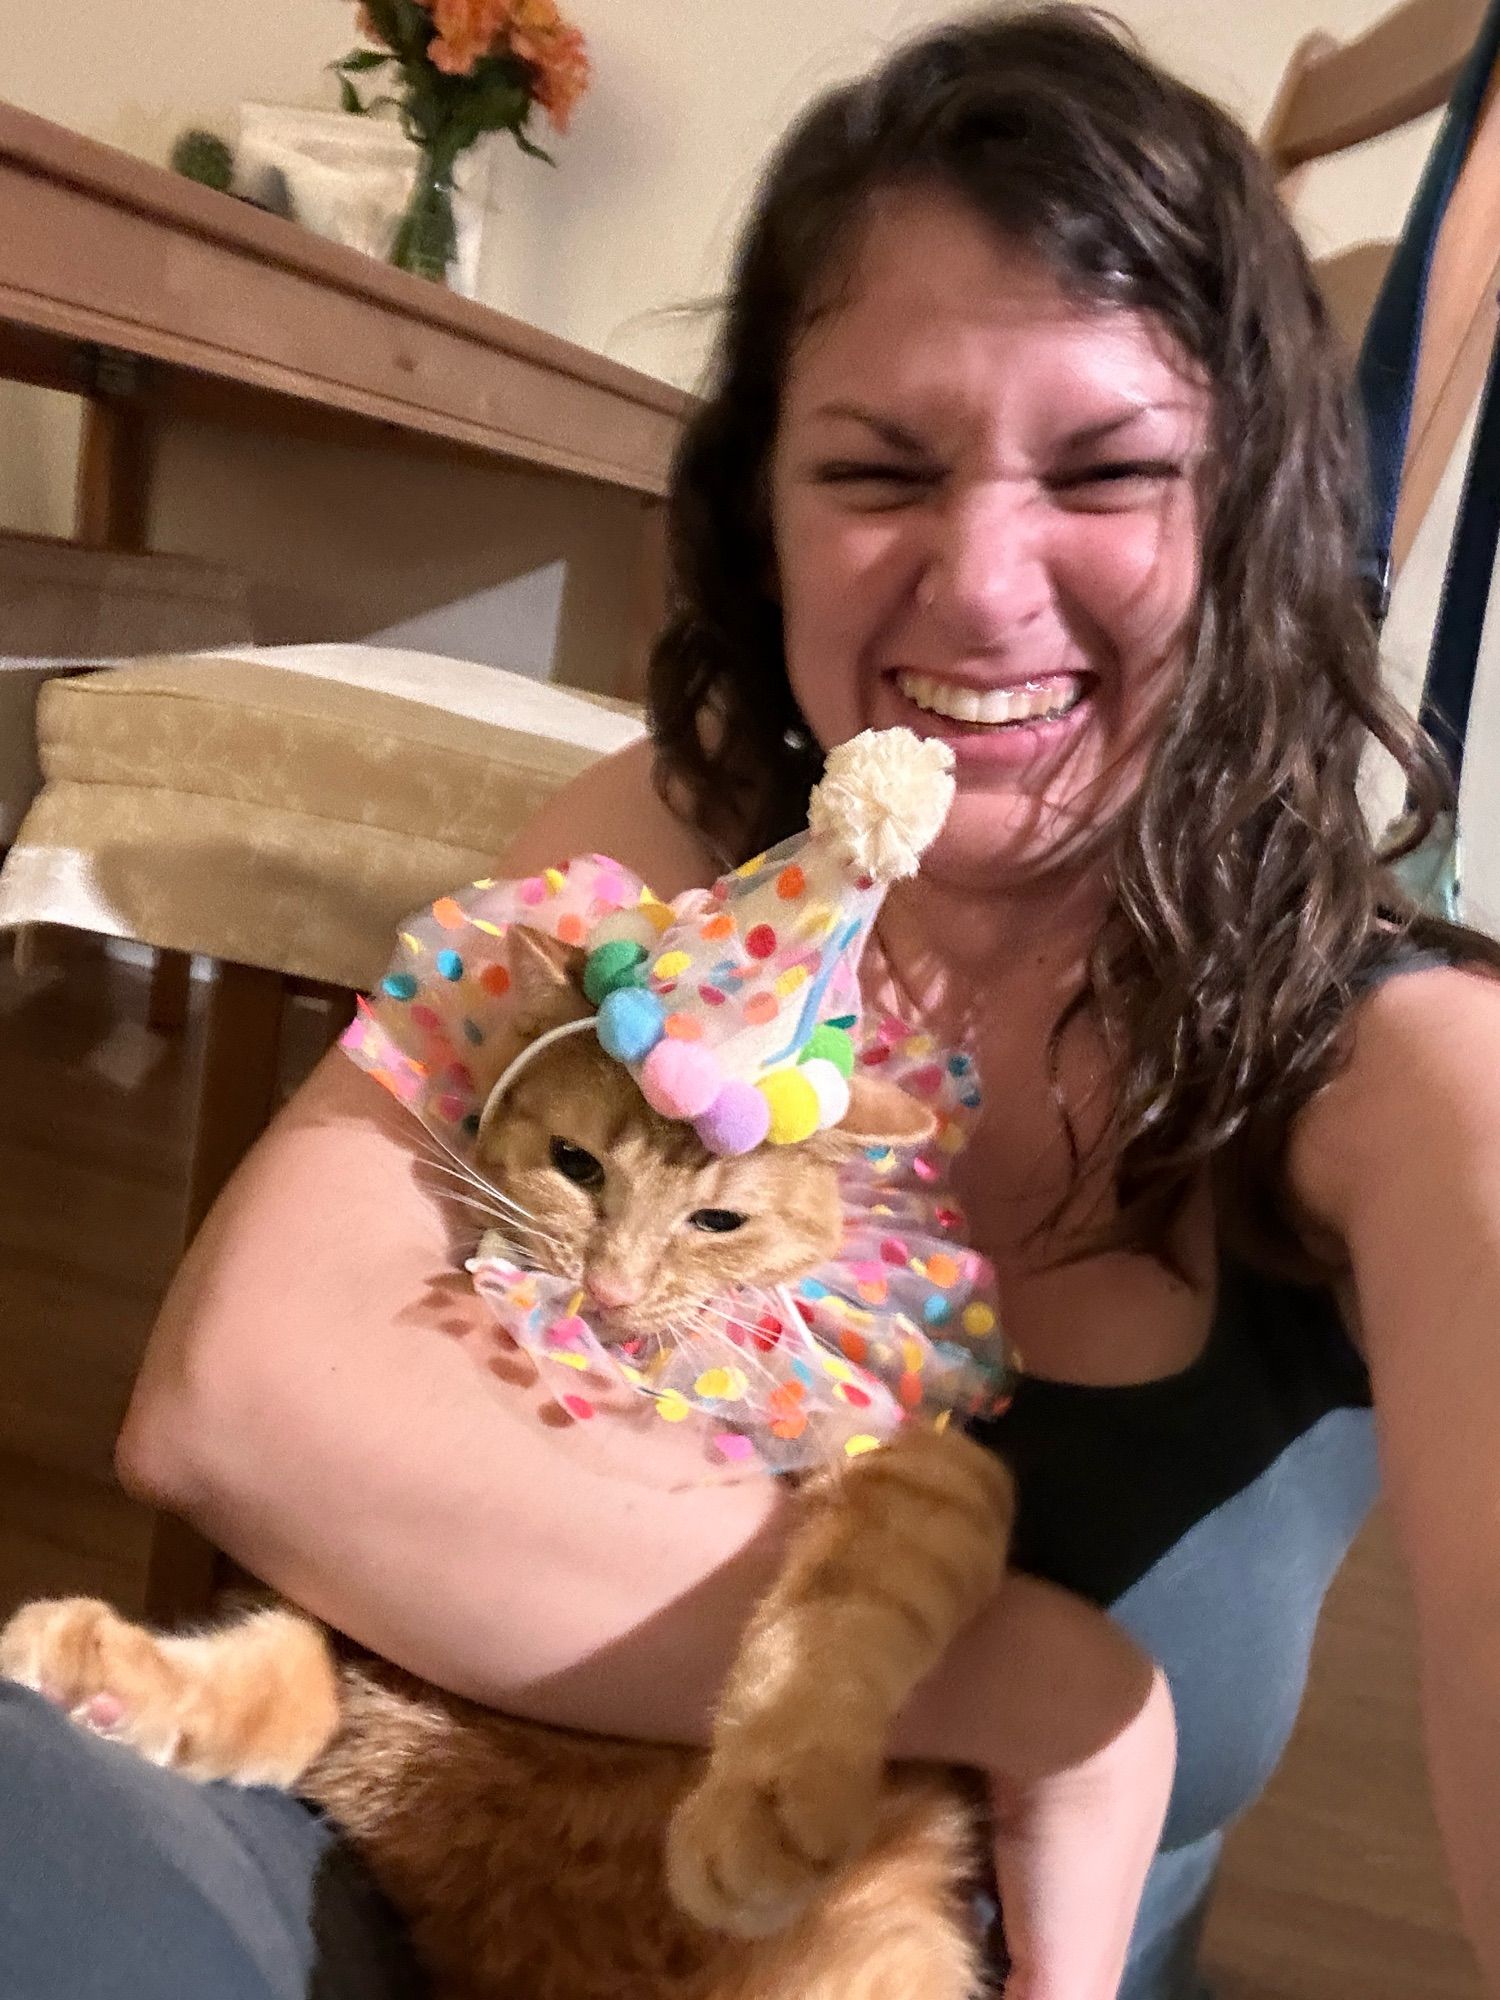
<point x="576" y="1165"/>
<point x="886" y="481"/>
<point x="1116" y="482"/>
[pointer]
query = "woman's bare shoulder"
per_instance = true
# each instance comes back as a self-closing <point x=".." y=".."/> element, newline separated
<point x="1418" y="1045"/>
<point x="614" y="808"/>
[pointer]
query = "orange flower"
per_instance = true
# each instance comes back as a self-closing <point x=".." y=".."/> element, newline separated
<point x="532" y="17"/>
<point x="563" y="78"/>
<point x="467" y="31"/>
<point x="538" y="35"/>
<point x="533" y="31"/>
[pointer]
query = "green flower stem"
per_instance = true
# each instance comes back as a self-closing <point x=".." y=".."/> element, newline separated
<point x="426" y="240"/>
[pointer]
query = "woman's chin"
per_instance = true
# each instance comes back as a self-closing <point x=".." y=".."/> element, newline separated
<point x="992" y="842"/>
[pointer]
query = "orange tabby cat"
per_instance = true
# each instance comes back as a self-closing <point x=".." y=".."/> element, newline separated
<point x="537" y="1864"/>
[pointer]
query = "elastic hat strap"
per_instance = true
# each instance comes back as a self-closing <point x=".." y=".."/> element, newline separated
<point x="527" y="1055"/>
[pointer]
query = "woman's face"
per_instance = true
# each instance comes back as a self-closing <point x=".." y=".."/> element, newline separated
<point x="985" y="526"/>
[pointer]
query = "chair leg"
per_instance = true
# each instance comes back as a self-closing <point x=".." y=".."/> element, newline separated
<point x="237" y="1094"/>
<point x="236" y="1097"/>
<point x="182" y="1573"/>
<point x="171" y="987"/>
<point x="334" y="1009"/>
<point x="31" y="951"/>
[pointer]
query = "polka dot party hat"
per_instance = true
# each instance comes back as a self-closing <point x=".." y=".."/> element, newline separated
<point x="737" y="1017"/>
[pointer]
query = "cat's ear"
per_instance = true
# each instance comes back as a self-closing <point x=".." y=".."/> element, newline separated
<point x="879" y="1114"/>
<point x="546" y="977"/>
<point x="546" y="990"/>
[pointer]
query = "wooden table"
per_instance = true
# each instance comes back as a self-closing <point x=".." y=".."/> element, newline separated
<point x="152" y="296"/>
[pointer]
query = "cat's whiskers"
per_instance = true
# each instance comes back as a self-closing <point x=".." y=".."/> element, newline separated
<point x="466" y="1176"/>
<point x="532" y="1245"/>
<point x="542" y="1249"/>
<point x="490" y="1204"/>
<point x="487" y="1196"/>
<point x="508" y="1216"/>
<point x="672" y="1335"/>
<point x="716" y="1317"/>
<point x="521" y="1255"/>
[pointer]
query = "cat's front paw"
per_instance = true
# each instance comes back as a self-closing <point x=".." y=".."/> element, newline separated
<point x="750" y="1848"/>
<point x="110" y="1676"/>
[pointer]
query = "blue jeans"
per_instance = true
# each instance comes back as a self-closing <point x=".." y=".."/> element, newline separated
<point x="119" y="1881"/>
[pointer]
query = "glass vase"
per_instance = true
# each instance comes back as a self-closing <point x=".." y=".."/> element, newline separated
<point x="426" y="239"/>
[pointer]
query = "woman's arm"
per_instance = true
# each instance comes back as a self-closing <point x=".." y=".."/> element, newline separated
<point x="1400" y="1156"/>
<point x="323" y="1395"/>
<point x="325" y="1398"/>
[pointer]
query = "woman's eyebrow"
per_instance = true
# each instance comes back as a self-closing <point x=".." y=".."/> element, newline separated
<point x="1107" y="426"/>
<point x="900" y="439"/>
<point x="886" y="428"/>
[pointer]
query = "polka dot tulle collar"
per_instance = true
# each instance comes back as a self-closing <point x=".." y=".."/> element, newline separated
<point x="902" y="1323"/>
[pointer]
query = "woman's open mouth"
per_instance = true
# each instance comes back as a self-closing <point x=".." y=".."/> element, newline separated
<point x="1039" y="701"/>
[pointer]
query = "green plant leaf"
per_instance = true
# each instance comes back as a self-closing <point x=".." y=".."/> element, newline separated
<point x="349" y="97"/>
<point x="413" y="24"/>
<point x="530" y="147"/>
<point x="382" y="15"/>
<point x="362" y="59"/>
<point x="496" y="102"/>
<point x="403" y="26"/>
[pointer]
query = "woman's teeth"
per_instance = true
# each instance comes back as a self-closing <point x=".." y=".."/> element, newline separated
<point x="1037" y="701"/>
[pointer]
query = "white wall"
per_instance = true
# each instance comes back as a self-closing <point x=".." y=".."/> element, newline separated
<point x="688" y="95"/>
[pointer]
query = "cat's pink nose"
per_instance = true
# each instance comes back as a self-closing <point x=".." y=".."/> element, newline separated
<point x="612" y="1289"/>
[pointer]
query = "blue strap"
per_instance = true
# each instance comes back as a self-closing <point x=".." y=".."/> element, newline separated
<point x="1387" y="372"/>
<point x="1454" y="659"/>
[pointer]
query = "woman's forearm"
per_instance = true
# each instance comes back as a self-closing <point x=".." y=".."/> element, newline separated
<point x="1040" y="1683"/>
<point x="326" y="1399"/>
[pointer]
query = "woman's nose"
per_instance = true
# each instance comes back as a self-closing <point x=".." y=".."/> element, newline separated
<point x="987" y="576"/>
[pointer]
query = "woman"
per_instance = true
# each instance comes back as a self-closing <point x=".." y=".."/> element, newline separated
<point x="1026" y="430"/>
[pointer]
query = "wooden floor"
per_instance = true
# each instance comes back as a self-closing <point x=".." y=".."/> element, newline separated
<point x="92" y="1175"/>
<point x="1334" y="1887"/>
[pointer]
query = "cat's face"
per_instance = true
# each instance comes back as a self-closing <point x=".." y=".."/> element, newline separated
<point x="631" y="1206"/>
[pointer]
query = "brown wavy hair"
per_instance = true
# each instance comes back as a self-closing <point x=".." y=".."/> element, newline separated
<point x="1250" y="901"/>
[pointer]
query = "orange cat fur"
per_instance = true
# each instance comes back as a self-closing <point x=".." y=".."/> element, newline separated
<point x="533" y="1863"/>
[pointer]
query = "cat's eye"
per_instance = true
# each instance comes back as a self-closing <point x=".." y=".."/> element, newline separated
<point x="717" y="1221"/>
<point x="575" y="1165"/>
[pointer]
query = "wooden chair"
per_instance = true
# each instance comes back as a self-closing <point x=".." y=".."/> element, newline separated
<point x="1335" y="96"/>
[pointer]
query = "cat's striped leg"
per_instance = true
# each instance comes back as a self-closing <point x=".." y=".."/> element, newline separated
<point x="891" y="1558"/>
<point x="255" y="1701"/>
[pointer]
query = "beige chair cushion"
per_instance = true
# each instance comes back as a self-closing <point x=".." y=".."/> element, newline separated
<point x="64" y="607"/>
<point x="286" y="808"/>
